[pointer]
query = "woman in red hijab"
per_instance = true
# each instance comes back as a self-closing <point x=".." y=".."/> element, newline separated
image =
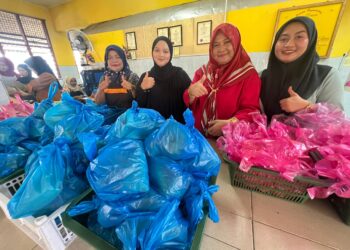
<point x="227" y="88"/>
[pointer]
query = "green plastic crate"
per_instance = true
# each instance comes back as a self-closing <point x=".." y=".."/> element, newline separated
<point x="270" y="183"/>
<point x="78" y="223"/>
<point x="11" y="176"/>
<point x="342" y="206"/>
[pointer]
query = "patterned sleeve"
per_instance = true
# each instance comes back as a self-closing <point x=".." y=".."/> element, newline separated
<point x="133" y="78"/>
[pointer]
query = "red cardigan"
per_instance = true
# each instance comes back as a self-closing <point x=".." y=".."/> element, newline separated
<point x="237" y="100"/>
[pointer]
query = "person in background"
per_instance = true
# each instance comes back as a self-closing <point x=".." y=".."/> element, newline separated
<point x="162" y="87"/>
<point x="25" y="74"/>
<point x="7" y="73"/>
<point x="117" y="87"/>
<point x="227" y="88"/>
<point x="293" y="79"/>
<point x="40" y="86"/>
<point x="71" y="86"/>
<point x="9" y="78"/>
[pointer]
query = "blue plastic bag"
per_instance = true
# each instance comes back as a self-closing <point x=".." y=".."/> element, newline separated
<point x="168" y="177"/>
<point x="135" y="123"/>
<point x="168" y="230"/>
<point x="80" y="161"/>
<point x="60" y="111"/>
<point x="207" y="162"/>
<point x="41" y="108"/>
<point x="110" y="114"/>
<point x="71" y="117"/>
<point x="36" y="127"/>
<point x="35" y="124"/>
<point x="93" y="141"/>
<point x="30" y="145"/>
<point x="12" y="131"/>
<point x="130" y="229"/>
<point x="12" y="159"/>
<point x="173" y="140"/>
<point x="50" y="182"/>
<point x="114" y="213"/>
<point x="119" y="170"/>
<point x="197" y="196"/>
<point x="108" y="234"/>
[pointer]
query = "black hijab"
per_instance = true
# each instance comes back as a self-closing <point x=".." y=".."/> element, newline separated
<point x="303" y="74"/>
<point x="162" y="73"/>
<point x="39" y="65"/>
<point x="25" y="79"/>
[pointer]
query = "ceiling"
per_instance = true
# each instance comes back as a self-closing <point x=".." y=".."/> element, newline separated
<point x="48" y="3"/>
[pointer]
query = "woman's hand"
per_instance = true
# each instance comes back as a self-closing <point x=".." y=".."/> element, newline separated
<point x="126" y="85"/>
<point x="147" y="82"/>
<point x="197" y="89"/>
<point x="104" y="84"/>
<point x="293" y="103"/>
<point x="215" y="127"/>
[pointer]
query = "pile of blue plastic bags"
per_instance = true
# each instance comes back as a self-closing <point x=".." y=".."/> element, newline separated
<point x="151" y="179"/>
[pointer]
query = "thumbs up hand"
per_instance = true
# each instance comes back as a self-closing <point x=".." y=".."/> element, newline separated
<point x="125" y="84"/>
<point x="294" y="102"/>
<point x="147" y="82"/>
<point x="197" y="89"/>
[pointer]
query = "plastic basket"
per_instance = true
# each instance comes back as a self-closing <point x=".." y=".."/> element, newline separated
<point x="47" y="231"/>
<point x="78" y="225"/>
<point x="342" y="206"/>
<point x="270" y="183"/>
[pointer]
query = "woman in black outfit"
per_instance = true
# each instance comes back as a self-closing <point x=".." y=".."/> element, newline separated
<point x="162" y="87"/>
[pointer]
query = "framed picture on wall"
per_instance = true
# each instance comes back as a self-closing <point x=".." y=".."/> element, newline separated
<point x="176" y="35"/>
<point x="164" y="31"/>
<point x="131" y="40"/>
<point x="133" y="55"/>
<point x="203" y="32"/>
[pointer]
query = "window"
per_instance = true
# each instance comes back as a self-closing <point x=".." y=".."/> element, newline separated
<point x="22" y="37"/>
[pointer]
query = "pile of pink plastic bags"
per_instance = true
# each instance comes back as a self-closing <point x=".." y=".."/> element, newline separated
<point x="313" y="143"/>
<point x="16" y="108"/>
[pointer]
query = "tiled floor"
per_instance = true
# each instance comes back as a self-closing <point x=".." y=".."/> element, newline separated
<point x="247" y="221"/>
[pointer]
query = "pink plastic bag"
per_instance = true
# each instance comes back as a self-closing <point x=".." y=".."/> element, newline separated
<point x="16" y="108"/>
<point x="284" y="146"/>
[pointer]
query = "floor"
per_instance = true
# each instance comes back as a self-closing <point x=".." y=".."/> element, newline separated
<point x="247" y="221"/>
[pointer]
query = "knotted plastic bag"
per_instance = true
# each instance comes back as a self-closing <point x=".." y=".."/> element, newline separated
<point x="197" y="197"/>
<point x="71" y="117"/>
<point x="136" y="123"/>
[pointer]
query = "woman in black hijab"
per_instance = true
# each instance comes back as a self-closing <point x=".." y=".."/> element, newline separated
<point x="162" y="87"/>
<point x="293" y="80"/>
<point x="40" y="86"/>
<point x="25" y="74"/>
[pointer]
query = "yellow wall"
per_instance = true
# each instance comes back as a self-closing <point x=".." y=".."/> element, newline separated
<point x="60" y="44"/>
<point x="145" y="35"/>
<point x="257" y="26"/>
<point x="81" y="13"/>
<point x="101" y="40"/>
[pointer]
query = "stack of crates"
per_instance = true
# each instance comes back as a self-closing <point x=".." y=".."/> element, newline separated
<point x="47" y="231"/>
